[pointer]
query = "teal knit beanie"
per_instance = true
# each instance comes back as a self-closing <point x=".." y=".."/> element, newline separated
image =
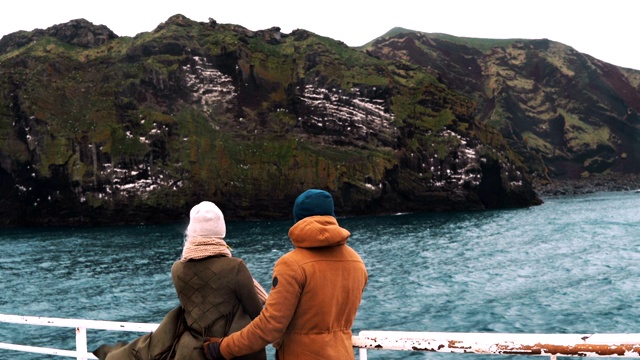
<point x="312" y="202"/>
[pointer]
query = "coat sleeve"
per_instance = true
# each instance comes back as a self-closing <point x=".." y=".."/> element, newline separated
<point x="246" y="291"/>
<point x="271" y="324"/>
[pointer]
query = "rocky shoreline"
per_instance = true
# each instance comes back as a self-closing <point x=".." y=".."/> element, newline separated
<point x="604" y="183"/>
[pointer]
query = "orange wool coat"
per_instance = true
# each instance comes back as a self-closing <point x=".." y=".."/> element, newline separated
<point x="315" y="294"/>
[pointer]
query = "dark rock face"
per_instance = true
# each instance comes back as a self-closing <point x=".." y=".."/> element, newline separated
<point x="78" y="32"/>
<point x="81" y="32"/>
<point x="205" y="111"/>
<point x="600" y="183"/>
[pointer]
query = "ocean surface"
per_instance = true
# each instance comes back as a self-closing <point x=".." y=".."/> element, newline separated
<point x="571" y="265"/>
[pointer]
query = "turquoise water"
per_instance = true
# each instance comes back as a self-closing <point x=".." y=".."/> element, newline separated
<point x="568" y="266"/>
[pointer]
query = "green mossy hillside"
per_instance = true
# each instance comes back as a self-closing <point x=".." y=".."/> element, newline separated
<point x="138" y="130"/>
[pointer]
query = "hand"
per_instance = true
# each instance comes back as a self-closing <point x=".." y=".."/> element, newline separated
<point x="212" y="348"/>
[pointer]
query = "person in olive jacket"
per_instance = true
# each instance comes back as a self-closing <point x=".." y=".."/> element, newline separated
<point x="217" y="296"/>
<point x="216" y="291"/>
<point x="315" y="292"/>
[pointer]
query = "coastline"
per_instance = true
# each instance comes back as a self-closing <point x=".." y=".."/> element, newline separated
<point x="601" y="183"/>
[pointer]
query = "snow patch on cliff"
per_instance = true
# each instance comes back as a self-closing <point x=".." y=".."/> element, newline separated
<point x="138" y="181"/>
<point x="461" y="166"/>
<point x="209" y="87"/>
<point x="347" y="113"/>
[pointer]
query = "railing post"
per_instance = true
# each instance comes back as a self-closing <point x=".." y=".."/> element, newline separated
<point x="362" y="354"/>
<point x="81" y="342"/>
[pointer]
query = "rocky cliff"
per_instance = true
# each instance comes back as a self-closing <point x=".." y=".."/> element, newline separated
<point x="100" y="129"/>
<point x="569" y="115"/>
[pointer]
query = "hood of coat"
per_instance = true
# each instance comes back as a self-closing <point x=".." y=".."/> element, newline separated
<point x="318" y="231"/>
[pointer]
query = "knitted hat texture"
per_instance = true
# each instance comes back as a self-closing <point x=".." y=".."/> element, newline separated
<point x="206" y="220"/>
<point x="311" y="203"/>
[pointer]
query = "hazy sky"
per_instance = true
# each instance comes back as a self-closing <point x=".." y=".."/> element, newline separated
<point x="607" y="30"/>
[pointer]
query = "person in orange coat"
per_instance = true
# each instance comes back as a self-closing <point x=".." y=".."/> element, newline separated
<point x="315" y="292"/>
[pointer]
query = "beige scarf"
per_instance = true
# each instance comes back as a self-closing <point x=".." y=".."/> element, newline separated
<point x="201" y="247"/>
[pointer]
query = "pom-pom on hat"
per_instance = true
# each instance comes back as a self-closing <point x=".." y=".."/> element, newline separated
<point x="206" y="220"/>
<point x="312" y="202"/>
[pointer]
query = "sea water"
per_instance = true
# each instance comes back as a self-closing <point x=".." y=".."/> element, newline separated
<point x="570" y="265"/>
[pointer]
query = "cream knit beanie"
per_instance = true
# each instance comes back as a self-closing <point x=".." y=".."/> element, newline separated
<point x="206" y="220"/>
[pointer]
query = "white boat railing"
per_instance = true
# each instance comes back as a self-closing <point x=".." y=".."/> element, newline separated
<point x="81" y="352"/>
<point x="552" y="345"/>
